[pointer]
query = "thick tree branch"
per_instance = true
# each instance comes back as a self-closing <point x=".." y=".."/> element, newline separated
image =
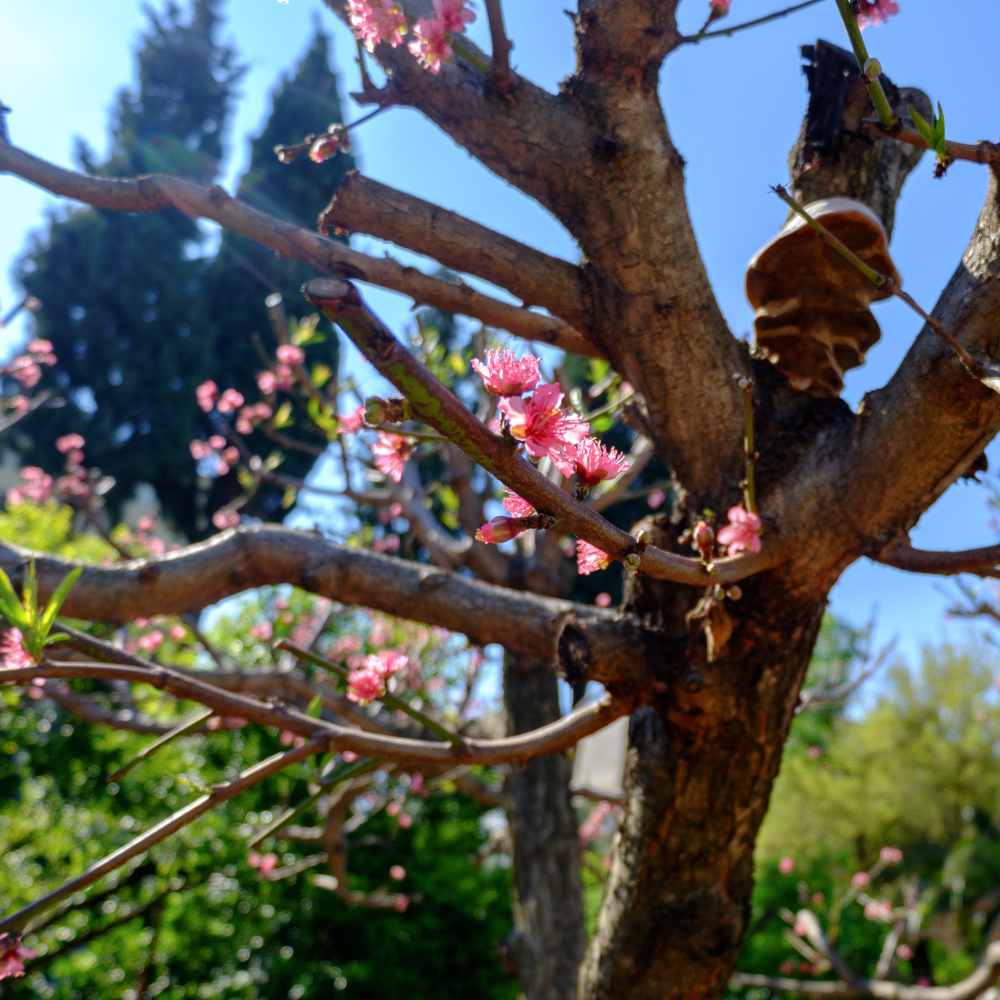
<point x="246" y="557"/>
<point x="437" y="406"/>
<point x="968" y="989"/>
<point x="903" y="556"/>
<point x="366" y="206"/>
<point x="157" y="192"/>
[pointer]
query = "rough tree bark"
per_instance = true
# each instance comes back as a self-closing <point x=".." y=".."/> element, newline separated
<point x="548" y="938"/>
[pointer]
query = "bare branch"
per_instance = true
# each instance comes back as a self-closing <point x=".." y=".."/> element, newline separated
<point x="559" y="735"/>
<point x="902" y="555"/>
<point x="366" y="206"/>
<point x="157" y="192"/>
<point x="84" y="708"/>
<point x="220" y="793"/>
<point x="503" y="76"/>
<point x="242" y="558"/>
<point x="982" y="152"/>
<point x="437" y="406"/>
<point x="968" y="989"/>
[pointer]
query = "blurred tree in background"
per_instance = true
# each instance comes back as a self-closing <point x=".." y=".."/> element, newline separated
<point x="135" y="312"/>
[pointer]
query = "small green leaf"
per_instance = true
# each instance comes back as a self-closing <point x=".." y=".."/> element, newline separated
<point x="29" y="594"/>
<point x="10" y="604"/>
<point x="321" y="375"/>
<point x="925" y="130"/>
<point x="284" y="415"/>
<point x="315" y="706"/>
<point x="56" y="601"/>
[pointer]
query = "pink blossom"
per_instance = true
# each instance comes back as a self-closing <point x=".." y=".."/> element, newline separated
<point x="367" y="682"/>
<point x="720" y="8"/>
<point x="416" y="783"/>
<point x="544" y="428"/>
<point x="515" y="505"/>
<point x="741" y="532"/>
<point x="593" y="825"/>
<point x="505" y="375"/>
<point x="393" y="809"/>
<point x="860" y="879"/>
<point x="230" y="400"/>
<point x="453" y="14"/>
<point x="786" y="866"/>
<point x="225" y="519"/>
<point x="589" y="558"/>
<point x="401" y="902"/>
<point x="405" y="821"/>
<point x="905" y="952"/>
<point x="375" y="21"/>
<point x="814" y="752"/>
<point x="33" y="305"/>
<point x="19" y="404"/>
<point x="351" y="423"/>
<point x="231" y="455"/>
<point x="349" y="756"/>
<point x="397" y="872"/>
<point x="217" y="441"/>
<point x="264" y="863"/>
<point x="876" y="12"/>
<point x="200" y="449"/>
<point x="250" y="416"/>
<point x="151" y="641"/>
<point x="37" y="487"/>
<point x="603" y="600"/>
<point x="891" y="855"/>
<point x="178" y="633"/>
<point x="39" y="347"/>
<point x="390" y="543"/>
<point x="13" y="654"/>
<point x="432" y="45"/>
<point x="12" y="956"/>
<point x="266" y="382"/>
<point x="391" y="452"/>
<point x="25" y="370"/>
<point x="500" y="529"/>
<point x="262" y="630"/>
<point x="290" y="354"/>
<point x="206" y="394"/>
<point x="595" y="463"/>
<point x="655" y="499"/>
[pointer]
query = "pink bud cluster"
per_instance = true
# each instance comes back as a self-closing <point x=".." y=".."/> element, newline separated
<point x="368" y="679"/>
<point x="876" y="12"/>
<point x="214" y="452"/>
<point x="26" y="368"/>
<point x="12" y="956"/>
<point x="36" y="486"/>
<point x="13" y="654"/>
<point x="376" y="21"/>
<point x="742" y="532"/>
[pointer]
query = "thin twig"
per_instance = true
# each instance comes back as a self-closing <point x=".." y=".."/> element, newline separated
<point x="875" y="91"/>
<point x="702" y="35"/>
<point x="503" y="76"/>
<point x="983" y="151"/>
<point x="33" y="404"/>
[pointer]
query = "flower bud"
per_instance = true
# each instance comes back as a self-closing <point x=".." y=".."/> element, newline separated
<point x="872" y="70"/>
<point x="376" y="411"/>
<point x="500" y="529"/>
<point x="632" y="561"/>
<point x="704" y="539"/>
<point x="32" y="304"/>
<point x="287" y="154"/>
<point x="734" y="593"/>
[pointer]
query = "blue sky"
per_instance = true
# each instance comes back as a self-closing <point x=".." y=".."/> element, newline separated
<point x="734" y="107"/>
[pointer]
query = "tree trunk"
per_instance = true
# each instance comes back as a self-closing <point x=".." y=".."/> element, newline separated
<point x="548" y="939"/>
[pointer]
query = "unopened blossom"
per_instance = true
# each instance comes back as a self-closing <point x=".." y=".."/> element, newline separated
<point x="719" y="8"/>
<point x="905" y="952"/>
<point x="891" y="855"/>
<point x="876" y="12"/>
<point x="391" y="452"/>
<point x="401" y="902"/>
<point x="13" y="654"/>
<point x="36" y="487"/>
<point x="595" y="463"/>
<point x="405" y="820"/>
<point x="589" y="558"/>
<point x="38" y="346"/>
<point x="200" y="449"/>
<point x="325" y="148"/>
<point x="860" y="879"/>
<point x="505" y="375"/>
<point x="33" y="305"/>
<point x="454" y="15"/>
<point x="655" y="499"/>
<point x="250" y="416"/>
<point x="500" y="529"/>
<point x="69" y="442"/>
<point x="741" y="532"/>
<point x="262" y="630"/>
<point x="26" y="371"/>
<point x="225" y="519"/>
<point x="230" y="401"/>
<point x="603" y="600"/>
<point x="432" y="46"/>
<point x="545" y="429"/>
<point x="375" y="21"/>
<point x="267" y="382"/>
<point x="290" y="354"/>
<point x="397" y="872"/>
<point x="351" y="423"/>
<point x="416" y="784"/>
<point x="515" y="505"/>
<point x="178" y="633"/>
<point x="206" y="394"/>
<point x="217" y="441"/>
<point x="786" y="866"/>
<point x="12" y="956"/>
